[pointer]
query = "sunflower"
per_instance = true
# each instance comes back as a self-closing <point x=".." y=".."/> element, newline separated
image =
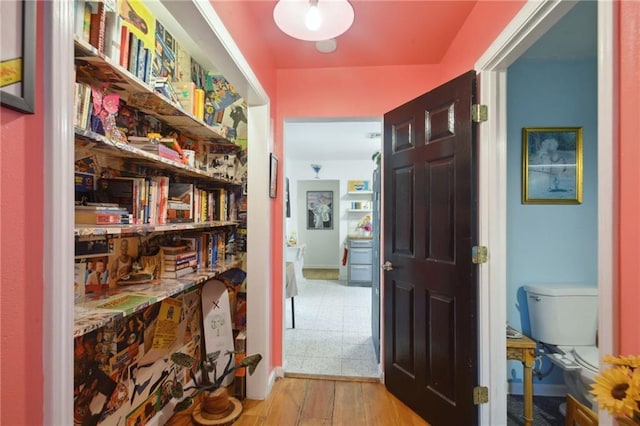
<point x="632" y="361"/>
<point x="615" y="390"/>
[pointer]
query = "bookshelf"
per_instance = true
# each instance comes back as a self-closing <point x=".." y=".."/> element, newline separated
<point x="102" y="338"/>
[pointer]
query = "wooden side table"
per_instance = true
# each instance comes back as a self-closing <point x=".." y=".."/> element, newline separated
<point x="523" y="349"/>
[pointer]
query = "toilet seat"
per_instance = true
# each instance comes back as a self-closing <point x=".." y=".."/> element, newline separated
<point x="587" y="357"/>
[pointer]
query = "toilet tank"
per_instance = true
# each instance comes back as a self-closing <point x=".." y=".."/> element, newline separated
<point x="563" y="314"/>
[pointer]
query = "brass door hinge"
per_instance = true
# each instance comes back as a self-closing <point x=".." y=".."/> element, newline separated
<point x="479" y="113"/>
<point x="480" y="395"/>
<point x="479" y="254"/>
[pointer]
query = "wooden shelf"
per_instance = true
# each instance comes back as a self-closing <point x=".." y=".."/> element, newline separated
<point x="359" y="210"/>
<point x="130" y="230"/>
<point x="98" y="309"/>
<point x="95" y="69"/>
<point x="132" y="153"/>
<point x="360" y="192"/>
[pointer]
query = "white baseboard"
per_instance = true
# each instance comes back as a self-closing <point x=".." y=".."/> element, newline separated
<point x="539" y="389"/>
<point x="279" y="372"/>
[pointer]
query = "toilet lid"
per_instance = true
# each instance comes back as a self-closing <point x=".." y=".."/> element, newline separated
<point x="587" y="356"/>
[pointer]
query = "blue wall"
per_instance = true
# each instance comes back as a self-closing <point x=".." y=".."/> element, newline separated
<point x="549" y="243"/>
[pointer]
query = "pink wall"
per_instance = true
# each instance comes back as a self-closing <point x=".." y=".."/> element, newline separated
<point x="21" y="198"/>
<point x="629" y="110"/>
<point x="21" y="246"/>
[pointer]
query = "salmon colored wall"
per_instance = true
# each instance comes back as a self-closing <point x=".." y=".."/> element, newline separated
<point x="21" y="248"/>
<point x="483" y="25"/>
<point x="629" y="109"/>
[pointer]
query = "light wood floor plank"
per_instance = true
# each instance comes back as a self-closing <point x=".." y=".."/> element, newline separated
<point x="348" y="408"/>
<point x="318" y="401"/>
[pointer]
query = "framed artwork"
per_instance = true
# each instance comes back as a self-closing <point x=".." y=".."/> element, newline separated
<point x="552" y="165"/>
<point x="319" y="209"/>
<point x="273" y="176"/>
<point x="18" y="54"/>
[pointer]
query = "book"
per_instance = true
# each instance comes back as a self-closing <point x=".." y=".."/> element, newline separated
<point x="186" y="92"/>
<point x="176" y="256"/>
<point x="134" y="44"/>
<point x="98" y="22"/>
<point x="78" y="24"/>
<point x="112" y="40"/>
<point x="178" y="273"/>
<point x="102" y="217"/>
<point x="124" y="46"/>
<point x="199" y="107"/>
<point x="180" y="203"/>
<point x="175" y="267"/>
<point x="125" y="191"/>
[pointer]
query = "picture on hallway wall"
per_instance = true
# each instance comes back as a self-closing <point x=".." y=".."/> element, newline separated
<point x="552" y="165"/>
<point x="319" y="209"/>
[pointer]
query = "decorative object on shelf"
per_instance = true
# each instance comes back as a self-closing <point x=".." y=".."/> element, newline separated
<point x="319" y="209"/>
<point x="316" y="168"/>
<point x="216" y="406"/>
<point x="552" y="165"/>
<point x="18" y="58"/>
<point x="273" y="176"/>
<point x="365" y="226"/>
<point x="358" y="186"/>
<point x="617" y="389"/>
<point x="313" y="20"/>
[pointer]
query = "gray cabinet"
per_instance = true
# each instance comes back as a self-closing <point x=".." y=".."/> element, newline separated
<point x="359" y="266"/>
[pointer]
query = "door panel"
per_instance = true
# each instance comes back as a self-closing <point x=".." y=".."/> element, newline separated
<point x="429" y="228"/>
<point x="403" y="202"/>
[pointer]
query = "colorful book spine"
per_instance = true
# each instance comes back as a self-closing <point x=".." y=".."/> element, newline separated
<point x="124" y="47"/>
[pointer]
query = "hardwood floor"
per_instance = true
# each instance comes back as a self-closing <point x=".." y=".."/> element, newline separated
<point x="313" y="402"/>
<point x="321" y="402"/>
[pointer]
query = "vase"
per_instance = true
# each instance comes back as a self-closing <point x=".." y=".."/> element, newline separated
<point x="215" y="402"/>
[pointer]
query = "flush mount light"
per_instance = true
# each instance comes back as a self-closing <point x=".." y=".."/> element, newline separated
<point x="313" y="20"/>
<point x="327" y="46"/>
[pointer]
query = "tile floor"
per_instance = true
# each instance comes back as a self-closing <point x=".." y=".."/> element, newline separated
<point x="333" y="331"/>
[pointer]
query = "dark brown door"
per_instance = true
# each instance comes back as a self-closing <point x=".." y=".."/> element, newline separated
<point x="430" y="226"/>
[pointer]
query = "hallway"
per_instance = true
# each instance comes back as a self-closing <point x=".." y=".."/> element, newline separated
<point x="333" y="331"/>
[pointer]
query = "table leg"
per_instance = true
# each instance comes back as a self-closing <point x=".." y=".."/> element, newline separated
<point x="528" y="386"/>
<point x="293" y="315"/>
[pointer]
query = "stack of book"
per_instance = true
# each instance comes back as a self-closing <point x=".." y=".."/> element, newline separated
<point x="102" y="214"/>
<point x="178" y="261"/>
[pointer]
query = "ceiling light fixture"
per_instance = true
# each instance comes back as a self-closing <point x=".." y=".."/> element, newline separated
<point x="313" y="20"/>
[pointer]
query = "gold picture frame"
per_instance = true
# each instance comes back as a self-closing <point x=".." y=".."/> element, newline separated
<point x="552" y="165"/>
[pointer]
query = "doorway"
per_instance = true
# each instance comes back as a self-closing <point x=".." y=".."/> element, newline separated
<point x="332" y="334"/>
<point x="529" y="25"/>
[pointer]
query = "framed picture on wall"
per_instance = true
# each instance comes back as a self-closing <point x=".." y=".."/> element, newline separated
<point x="552" y="165"/>
<point x="18" y="57"/>
<point x="273" y="176"/>
<point x="319" y="209"/>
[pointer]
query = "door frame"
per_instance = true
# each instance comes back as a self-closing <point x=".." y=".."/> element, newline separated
<point x="533" y="20"/>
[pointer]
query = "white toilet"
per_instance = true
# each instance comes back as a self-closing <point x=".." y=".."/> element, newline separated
<point x="564" y="316"/>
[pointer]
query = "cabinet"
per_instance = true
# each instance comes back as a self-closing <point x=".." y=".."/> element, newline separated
<point x="129" y="315"/>
<point x="359" y="266"/>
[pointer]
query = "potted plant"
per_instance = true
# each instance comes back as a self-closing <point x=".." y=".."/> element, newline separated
<point x="216" y="404"/>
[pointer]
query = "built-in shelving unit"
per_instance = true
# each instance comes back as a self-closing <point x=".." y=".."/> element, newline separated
<point x="164" y="314"/>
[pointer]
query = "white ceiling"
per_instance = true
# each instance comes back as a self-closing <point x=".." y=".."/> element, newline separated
<point x="573" y="37"/>
<point x="331" y="139"/>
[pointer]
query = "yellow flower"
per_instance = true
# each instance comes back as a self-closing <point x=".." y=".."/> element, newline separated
<point x="632" y="361"/>
<point x="615" y="389"/>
